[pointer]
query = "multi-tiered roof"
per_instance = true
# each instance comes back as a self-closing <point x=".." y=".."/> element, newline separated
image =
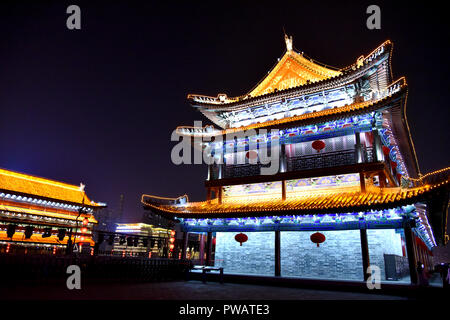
<point x="32" y="186"/>
<point x="293" y="77"/>
<point x="40" y="202"/>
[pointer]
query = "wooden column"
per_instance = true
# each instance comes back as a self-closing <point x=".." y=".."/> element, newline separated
<point x="382" y="178"/>
<point x="202" y="250"/>
<point x="208" y="194"/>
<point x="409" y="240"/>
<point x="365" y="252"/>
<point x="220" y="195"/>
<point x="208" y="248"/>
<point x="377" y="150"/>
<point x="282" y="158"/>
<point x="277" y="254"/>
<point x="423" y="258"/>
<point x="362" y="181"/>
<point x="220" y="171"/>
<point x="210" y="172"/>
<point x="358" y="148"/>
<point x="283" y="190"/>
<point x="185" y="244"/>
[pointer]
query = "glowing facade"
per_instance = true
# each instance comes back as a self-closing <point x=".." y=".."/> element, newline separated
<point x="345" y="162"/>
<point x="141" y="239"/>
<point x="38" y="214"/>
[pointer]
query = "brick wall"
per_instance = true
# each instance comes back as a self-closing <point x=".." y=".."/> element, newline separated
<point x="339" y="257"/>
<point x="256" y="256"/>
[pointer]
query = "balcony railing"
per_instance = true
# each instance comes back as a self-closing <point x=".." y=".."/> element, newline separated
<point x="315" y="161"/>
<point x="325" y="160"/>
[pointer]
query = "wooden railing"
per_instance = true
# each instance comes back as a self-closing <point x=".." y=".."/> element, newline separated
<point x="46" y="268"/>
<point x="324" y="160"/>
<point x="314" y="161"/>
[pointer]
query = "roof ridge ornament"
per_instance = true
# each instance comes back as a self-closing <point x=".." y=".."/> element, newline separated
<point x="288" y="41"/>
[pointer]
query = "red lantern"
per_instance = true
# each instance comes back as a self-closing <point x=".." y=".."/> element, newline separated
<point x="394" y="165"/>
<point x="85" y="221"/>
<point x="318" y="145"/>
<point x="369" y="137"/>
<point x="251" y="154"/>
<point x="317" y="238"/>
<point x="399" y="177"/>
<point x="386" y="150"/>
<point x="241" y="238"/>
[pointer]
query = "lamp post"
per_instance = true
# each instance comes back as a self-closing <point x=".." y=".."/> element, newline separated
<point x="69" y="242"/>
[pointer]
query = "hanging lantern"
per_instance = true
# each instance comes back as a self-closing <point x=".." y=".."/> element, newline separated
<point x="241" y="238"/>
<point x="251" y="155"/>
<point x="394" y="165"/>
<point x="318" y="145"/>
<point x="317" y="238"/>
<point x="386" y="150"/>
<point x="369" y="137"/>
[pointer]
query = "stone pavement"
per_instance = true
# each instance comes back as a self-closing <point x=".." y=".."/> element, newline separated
<point x="180" y="290"/>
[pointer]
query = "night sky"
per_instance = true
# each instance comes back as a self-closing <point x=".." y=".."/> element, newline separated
<point x="98" y="105"/>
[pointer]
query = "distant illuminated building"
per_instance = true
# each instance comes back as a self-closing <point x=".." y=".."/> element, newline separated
<point x="140" y="239"/>
<point x="347" y="192"/>
<point x="38" y="214"/>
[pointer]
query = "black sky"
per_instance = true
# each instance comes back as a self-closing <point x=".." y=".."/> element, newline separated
<point x="98" y="105"/>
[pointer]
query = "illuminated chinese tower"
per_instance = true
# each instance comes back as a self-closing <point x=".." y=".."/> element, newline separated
<point x="348" y="192"/>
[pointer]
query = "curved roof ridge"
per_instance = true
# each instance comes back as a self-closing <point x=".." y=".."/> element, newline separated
<point x="223" y="98"/>
<point x="286" y="74"/>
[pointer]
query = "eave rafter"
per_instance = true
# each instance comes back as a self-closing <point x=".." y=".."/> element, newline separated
<point x="330" y="203"/>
